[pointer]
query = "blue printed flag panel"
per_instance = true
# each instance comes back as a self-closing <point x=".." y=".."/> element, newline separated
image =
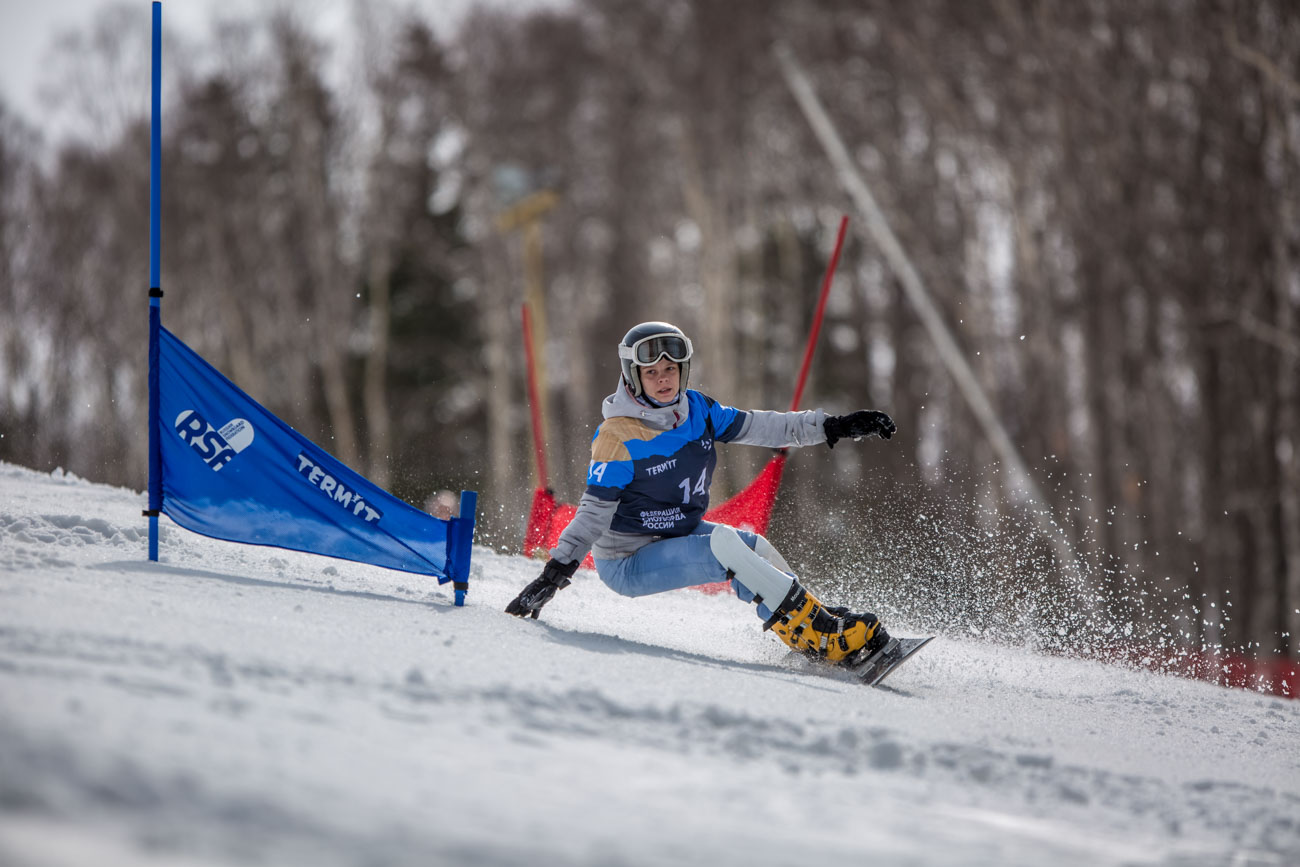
<point x="234" y="471"/>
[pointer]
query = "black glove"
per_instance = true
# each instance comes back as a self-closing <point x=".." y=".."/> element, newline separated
<point x="863" y="423"/>
<point x="554" y="577"/>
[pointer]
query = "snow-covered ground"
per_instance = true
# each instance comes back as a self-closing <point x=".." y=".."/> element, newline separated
<point x="236" y="705"/>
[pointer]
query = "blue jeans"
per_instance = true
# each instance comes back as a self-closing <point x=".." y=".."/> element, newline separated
<point x="674" y="563"/>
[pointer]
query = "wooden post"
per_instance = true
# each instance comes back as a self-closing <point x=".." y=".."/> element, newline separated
<point x="526" y="215"/>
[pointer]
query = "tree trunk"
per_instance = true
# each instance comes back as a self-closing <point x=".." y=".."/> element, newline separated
<point x="1286" y="440"/>
<point x="375" y="399"/>
<point x="719" y="361"/>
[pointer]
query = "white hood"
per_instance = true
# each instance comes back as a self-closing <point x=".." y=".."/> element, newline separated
<point x="621" y="404"/>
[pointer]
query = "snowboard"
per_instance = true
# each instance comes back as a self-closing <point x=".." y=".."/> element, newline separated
<point x="882" y="663"/>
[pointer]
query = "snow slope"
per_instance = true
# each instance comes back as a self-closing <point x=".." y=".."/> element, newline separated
<point x="241" y="705"/>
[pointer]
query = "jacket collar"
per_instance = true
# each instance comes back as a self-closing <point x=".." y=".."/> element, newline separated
<point x="621" y="404"/>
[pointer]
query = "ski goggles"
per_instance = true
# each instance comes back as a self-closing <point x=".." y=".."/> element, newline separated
<point x="650" y="349"/>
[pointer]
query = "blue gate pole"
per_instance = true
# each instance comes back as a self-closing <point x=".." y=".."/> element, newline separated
<point x="155" y="290"/>
<point x="461" y="543"/>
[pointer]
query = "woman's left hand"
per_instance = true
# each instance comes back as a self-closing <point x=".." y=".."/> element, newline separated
<point x="863" y="423"/>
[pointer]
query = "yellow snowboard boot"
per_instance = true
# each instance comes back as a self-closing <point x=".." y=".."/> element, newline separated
<point x="834" y="634"/>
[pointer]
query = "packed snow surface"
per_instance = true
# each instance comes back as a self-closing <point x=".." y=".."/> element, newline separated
<point x="241" y="705"/>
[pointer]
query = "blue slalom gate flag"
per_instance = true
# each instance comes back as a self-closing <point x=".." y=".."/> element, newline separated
<point x="234" y="471"/>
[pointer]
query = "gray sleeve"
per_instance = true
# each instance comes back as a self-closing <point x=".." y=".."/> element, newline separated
<point x="779" y="430"/>
<point x="589" y="524"/>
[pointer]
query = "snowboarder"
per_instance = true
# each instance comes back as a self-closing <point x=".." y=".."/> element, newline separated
<point x="652" y="460"/>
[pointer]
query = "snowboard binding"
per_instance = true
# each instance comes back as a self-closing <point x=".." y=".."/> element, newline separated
<point x="836" y="635"/>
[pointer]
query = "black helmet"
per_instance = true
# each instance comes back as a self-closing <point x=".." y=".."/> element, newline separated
<point x="647" y="343"/>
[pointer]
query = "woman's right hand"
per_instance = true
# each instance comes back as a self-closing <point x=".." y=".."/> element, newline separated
<point x="554" y="577"/>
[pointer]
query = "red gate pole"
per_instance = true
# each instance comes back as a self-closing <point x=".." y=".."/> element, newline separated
<point x="542" y="513"/>
<point x="534" y="402"/>
<point x="821" y="312"/>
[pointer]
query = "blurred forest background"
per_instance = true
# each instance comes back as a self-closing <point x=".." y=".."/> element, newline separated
<point x="1103" y="197"/>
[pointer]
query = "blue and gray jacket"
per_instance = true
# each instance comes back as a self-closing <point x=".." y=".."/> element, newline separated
<point x="651" y="468"/>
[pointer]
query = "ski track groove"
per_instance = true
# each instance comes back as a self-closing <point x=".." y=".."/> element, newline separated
<point x="675" y="728"/>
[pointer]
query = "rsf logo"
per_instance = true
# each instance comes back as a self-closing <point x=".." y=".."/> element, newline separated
<point x="216" y="447"/>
